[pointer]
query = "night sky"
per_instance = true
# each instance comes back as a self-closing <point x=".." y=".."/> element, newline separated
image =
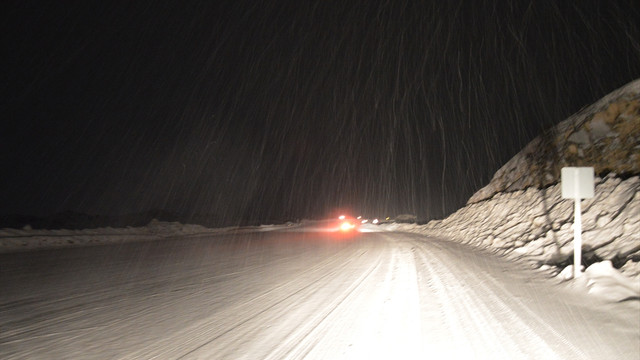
<point x="290" y="109"/>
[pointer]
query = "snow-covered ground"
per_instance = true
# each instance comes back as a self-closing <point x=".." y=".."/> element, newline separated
<point x="27" y="239"/>
<point x="295" y="293"/>
<point x="600" y="279"/>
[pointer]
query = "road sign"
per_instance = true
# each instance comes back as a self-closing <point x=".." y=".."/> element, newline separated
<point x="577" y="184"/>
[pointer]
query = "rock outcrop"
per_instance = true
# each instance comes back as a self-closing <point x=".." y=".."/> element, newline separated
<point x="605" y="135"/>
<point x="521" y="211"/>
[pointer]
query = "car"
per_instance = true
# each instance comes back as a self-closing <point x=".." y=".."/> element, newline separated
<point x="347" y="224"/>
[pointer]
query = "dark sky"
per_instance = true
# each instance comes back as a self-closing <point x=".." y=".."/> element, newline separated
<point x="288" y="109"/>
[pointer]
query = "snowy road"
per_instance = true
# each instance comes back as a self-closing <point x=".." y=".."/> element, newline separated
<point x="298" y="294"/>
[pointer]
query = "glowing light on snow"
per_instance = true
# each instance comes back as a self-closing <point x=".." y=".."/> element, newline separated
<point x="346" y="226"/>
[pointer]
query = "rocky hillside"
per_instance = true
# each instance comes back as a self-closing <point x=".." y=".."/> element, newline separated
<point x="521" y="211"/>
<point x="604" y="135"/>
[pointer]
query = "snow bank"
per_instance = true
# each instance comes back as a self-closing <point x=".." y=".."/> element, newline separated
<point x="536" y="225"/>
<point x="606" y="282"/>
<point x="13" y="240"/>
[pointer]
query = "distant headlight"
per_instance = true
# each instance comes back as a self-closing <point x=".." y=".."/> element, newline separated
<point x="346" y="226"/>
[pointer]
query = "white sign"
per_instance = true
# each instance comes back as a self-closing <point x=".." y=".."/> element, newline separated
<point x="577" y="184"/>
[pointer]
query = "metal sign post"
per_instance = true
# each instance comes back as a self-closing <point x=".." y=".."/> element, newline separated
<point x="577" y="184"/>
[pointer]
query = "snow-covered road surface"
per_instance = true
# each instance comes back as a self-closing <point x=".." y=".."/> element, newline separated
<point x="292" y="294"/>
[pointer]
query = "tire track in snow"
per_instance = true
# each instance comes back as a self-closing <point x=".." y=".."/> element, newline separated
<point x="303" y="339"/>
<point x="377" y="316"/>
<point x="481" y="323"/>
<point x="368" y="310"/>
<point x="208" y="331"/>
<point x="42" y="316"/>
<point x="74" y="308"/>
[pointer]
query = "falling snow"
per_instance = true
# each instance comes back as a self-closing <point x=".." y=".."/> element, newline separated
<point x="282" y="110"/>
<point x="244" y="112"/>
